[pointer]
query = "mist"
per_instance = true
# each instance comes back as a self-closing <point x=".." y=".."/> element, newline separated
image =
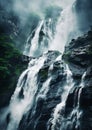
<point x="31" y="12"/>
<point x="84" y="14"/>
<point x="23" y="8"/>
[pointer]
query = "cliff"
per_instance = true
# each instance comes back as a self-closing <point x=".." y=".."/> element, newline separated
<point x="78" y="55"/>
<point x="78" y="107"/>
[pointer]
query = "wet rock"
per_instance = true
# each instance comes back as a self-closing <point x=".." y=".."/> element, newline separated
<point x="39" y="115"/>
<point x="86" y="98"/>
<point x="78" y="55"/>
<point x="89" y="72"/>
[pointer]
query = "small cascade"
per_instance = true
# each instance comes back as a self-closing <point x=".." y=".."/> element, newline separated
<point x="32" y="43"/>
<point x="46" y="36"/>
<point x="81" y="87"/>
<point x="59" y="110"/>
<point x="35" y="41"/>
<point x="44" y="89"/>
<point x="59" y="121"/>
<point x="28" y="43"/>
<point x="75" y="115"/>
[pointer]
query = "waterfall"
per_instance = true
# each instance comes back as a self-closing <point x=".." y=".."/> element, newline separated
<point x="32" y="42"/>
<point x="23" y="97"/>
<point x="35" y="40"/>
<point x="38" y="41"/>
<point x="59" y="122"/>
<point x="59" y="110"/>
<point x="76" y="113"/>
<point x="28" y="91"/>
<point x="81" y="87"/>
<point x="66" y="29"/>
<point x="45" y="38"/>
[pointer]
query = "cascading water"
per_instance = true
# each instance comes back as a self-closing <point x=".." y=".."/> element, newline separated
<point x="59" y="121"/>
<point x="66" y="29"/>
<point x="35" y="40"/>
<point x="45" y="39"/>
<point x="34" y="43"/>
<point x="59" y="110"/>
<point x="28" y="91"/>
<point x="76" y="113"/>
<point x="39" y="43"/>
<point x="24" y="94"/>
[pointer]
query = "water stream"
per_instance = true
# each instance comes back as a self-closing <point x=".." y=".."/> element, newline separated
<point x="27" y="90"/>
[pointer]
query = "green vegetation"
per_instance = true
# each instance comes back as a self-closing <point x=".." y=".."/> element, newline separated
<point x="11" y="64"/>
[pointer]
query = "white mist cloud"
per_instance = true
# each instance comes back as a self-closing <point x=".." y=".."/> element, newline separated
<point x="24" y="7"/>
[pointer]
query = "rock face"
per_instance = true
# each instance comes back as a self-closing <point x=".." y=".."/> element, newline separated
<point x="77" y="113"/>
<point x="37" y="118"/>
<point x="79" y="54"/>
<point x="79" y="57"/>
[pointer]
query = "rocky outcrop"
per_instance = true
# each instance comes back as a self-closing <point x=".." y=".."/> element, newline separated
<point x="79" y="57"/>
<point x="37" y="118"/>
<point x="79" y="54"/>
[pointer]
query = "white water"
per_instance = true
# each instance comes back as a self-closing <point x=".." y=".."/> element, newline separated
<point x="27" y="83"/>
<point x="81" y="87"/>
<point x="35" y="40"/>
<point x="58" y="117"/>
<point x="66" y="30"/>
<point x="44" y="89"/>
<point x="60" y="107"/>
<point x="76" y="113"/>
<point x="28" y="87"/>
<point x="35" y="47"/>
<point x="18" y="107"/>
